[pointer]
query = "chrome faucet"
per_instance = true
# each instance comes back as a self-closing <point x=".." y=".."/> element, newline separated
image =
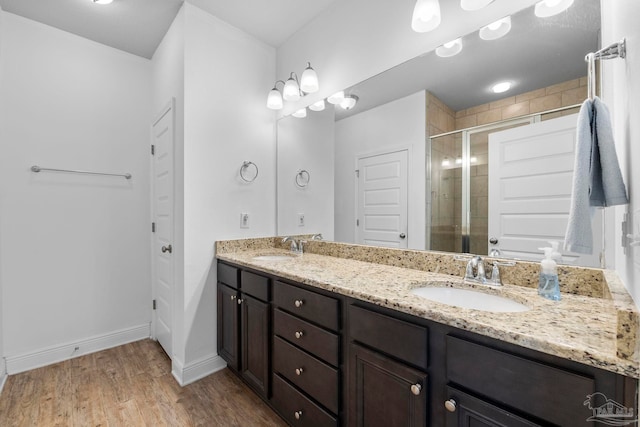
<point x="475" y="271"/>
<point x="296" y="246"/>
<point x="317" y="236"/>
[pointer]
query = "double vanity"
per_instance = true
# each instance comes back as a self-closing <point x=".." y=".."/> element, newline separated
<point x="355" y="335"/>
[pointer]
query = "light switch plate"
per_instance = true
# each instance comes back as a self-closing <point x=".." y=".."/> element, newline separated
<point x="300" y="220"/>
<point x="244" y="220"/>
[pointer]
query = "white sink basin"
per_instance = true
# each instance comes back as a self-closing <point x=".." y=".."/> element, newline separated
<point x="273" y="257"/>
<point x="470" y="299"/>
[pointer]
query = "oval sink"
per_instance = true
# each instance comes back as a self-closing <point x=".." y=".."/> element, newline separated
<point x="470" y="299"/>
<point x="273" y="257"/>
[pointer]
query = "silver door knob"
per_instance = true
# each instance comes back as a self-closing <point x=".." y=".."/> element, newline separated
<point x="233" y="297"/>
<point x="493" y="241"/>
<point x="450" y="405"/>
<point x="167" y="248"/>
<point x="298" y="303"/>
<point x="402" y="235"/>
<point x="299" y="371"/>
<point x="299" y="334"/>
<point x="239" y="301"/>
<point x="416" y="389"/>
<point x="297" y="414"/>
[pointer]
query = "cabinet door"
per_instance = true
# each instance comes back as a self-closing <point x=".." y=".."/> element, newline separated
<point x="228" y="325"/>
<point x="383" y="392"/>
<point x="255" y="343"/>
<point x="464" y="410"/>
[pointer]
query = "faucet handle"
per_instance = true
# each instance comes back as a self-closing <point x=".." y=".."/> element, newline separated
<point x="481" y="275"/>
<point x="495" y="278"/>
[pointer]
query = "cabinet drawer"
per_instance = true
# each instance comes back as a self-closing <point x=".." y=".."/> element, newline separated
<point x="228" y="275"/>
<point x="406" y="341"/>
<point x="315" y="340"/>
<point x="516" y="382"/>
<point x="308" y="305"/>
<point x="316" y="378"/>
<point x="289" y="401"/>
<point x="255" y="285"/>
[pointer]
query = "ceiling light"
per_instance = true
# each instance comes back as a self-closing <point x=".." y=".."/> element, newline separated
<point x="336" y="98"/>
<point x="501" y="87"/>
<point x="274" y="100"/>
<point x="473" y="160"/>
<point x="497" y="29"/>
<point x="450" y="49"/>
<point x="301" y="113"/>
<point x="426" y="16"/>
<point x="317" y="106"/>
<point x="547" y="8"/>
<point x="458" y="160"/>
<point x="349" y="102"/>
<point x="291" y="91"/>
<point x="474" y="4"/>
<point x="309" y="80"/>
<point x="446" y="162"/>
<point x="102" y="1"/>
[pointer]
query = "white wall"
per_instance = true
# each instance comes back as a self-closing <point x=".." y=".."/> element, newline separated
<point x="75" y="248"/>
<point x="398" y="124"/>
<point x="621" y="91"/>
<point x="357" y="39"/>
<point x="226" y="123"/>
<point x="3" y="368"/>
<point x="306" y="144"/>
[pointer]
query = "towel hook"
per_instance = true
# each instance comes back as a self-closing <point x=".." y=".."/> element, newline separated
<point x="245" y="166"/>
<point x="302" y="178"/>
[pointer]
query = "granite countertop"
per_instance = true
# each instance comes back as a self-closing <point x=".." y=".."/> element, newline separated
<point x="581" y="328"/>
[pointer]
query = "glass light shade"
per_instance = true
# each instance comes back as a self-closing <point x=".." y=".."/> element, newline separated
<point x="301" y="113"/>
<point x="274" y="100"/>
<point x="291" y="91"/>
<point x="317" y="106"/>
<point x="349" y="102"/>
<point x="547" y="8"/>
<point x="336" y="98"/>
<point x="426" y="16"/>
<point x="501" y="87"/>
<point x="450" y="49"/>
<point x="474" y="4"/>
<point x="497" y="29"/>
<point x="309" y="80"/>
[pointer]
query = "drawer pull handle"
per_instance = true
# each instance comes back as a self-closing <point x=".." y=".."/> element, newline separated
<point x="239" y="301"/>
<point x="298" y="303"/>
<point x="299" y="371"/>
<point x="299" y="334"/>
<point x="450" y="405"/>
<point x="416" y="389"/>
<point x="297" y="414"/>
<point x="233" y="297"/>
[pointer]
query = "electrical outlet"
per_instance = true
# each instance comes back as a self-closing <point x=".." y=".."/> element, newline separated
<point x="300" y="220"/>
<point x="244" y="220"/>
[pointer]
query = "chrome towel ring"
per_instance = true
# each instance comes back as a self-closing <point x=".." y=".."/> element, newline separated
<point x="302" y="178"/>
<point x="245" y="175"/>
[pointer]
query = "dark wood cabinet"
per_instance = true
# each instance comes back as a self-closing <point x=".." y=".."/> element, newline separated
<point x="255" y="342"/>
<point x="384" y="392"/>
<point x="228" y="322"/>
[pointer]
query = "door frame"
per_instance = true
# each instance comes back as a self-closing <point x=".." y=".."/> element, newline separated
<point x="379" y="152"/>
<point x="169" y="107"/>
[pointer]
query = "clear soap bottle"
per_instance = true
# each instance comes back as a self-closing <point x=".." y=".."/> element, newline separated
<point x="548" y="286"/>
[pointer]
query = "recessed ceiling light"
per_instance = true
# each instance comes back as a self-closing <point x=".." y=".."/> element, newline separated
<point x="474" y="4"/>
<point x="547" y="8"/>
<point x="102" y="1"/>
<point x="497" y="29"/>
<point x="450" y="48"/>
<point x="501" y="87"/>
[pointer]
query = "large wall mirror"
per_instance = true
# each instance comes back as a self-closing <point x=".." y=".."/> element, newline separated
<point x="431" y="158"/>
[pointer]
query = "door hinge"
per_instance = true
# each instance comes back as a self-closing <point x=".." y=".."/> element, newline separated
<point x="153" y="149"/>
<point x="357" y="223"/>
<point x="153" y="227"/>
<point x="357" y="173"/>
<point x="154" y="304"/>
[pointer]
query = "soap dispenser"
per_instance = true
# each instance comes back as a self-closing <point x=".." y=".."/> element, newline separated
<point x="548" y="286"/>
<point x="555" y="254"/>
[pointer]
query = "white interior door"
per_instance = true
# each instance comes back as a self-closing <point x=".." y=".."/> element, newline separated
<point x="163" y="265"/>
<point x="382" y="200"/>
<point x="530" y="179"/>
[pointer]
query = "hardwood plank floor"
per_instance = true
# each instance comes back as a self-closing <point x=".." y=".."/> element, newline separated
<point x="130" y="385"/>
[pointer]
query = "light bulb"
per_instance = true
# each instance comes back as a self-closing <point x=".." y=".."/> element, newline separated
<point x="291" y="91"/>
<point x="301" y="113"/>
<point x="474" y="4"/>
<point x="451" y="48"/>
<point x="349" y="102"/>
<point x="336" y="98"/>
<point x="309" y="80"/>
<point x="426" y="16"/>
<point x="274" y="100"/>
<point x="496" y="29"/>
<point x="547" y="8"/>
<point x="317" y="106"/>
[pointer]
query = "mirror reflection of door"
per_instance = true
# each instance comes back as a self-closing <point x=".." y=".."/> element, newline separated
<point x="382" y="200"/>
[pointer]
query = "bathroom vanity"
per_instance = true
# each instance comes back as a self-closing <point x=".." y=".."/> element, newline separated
<point x="329" y="339"/>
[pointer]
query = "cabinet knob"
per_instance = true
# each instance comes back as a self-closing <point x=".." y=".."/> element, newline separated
<point x="297" y="414"/>
<point x="167" y="248"/>
<point x="233" y="297"/>
<point x="239" y="301"/>
<point x="298" y="303"/>
<point x="299" y="371"/>
<point x="299" y="334"/>
<point x="416" y="389"/>
<point x="450" y="405"/>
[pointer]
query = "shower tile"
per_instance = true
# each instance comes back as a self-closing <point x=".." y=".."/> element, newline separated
<point x="515" y="110"/>
<point x="561" y="87"/>
<point x="547" y="103"/>
<point x="489" y="116"/>
<point x="527" y="96"/>
<point x="503" y="102"/>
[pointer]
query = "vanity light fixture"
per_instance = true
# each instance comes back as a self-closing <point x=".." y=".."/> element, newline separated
<point x="497" y="29"/>
<point x="301" y="113"/>
<point x="336" y="98"/>
<point x="446" y="162"/>
<point x="501" y="87"/>
<point x="449" y="49"/>
<point x="317" y="106"/>
<point x="349" y="102"/>
<point x="102" y="1"/>
<point x="292" y="89"/>
<point x="474" y="4"/>
<point x="547" y="8"/>
<point x="426" y="16"/>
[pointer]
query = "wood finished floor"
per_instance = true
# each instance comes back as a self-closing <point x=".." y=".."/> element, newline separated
<point x="130" y="385"/>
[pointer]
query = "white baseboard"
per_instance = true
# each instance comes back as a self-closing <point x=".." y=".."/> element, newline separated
<point x="3" y="374"/>
<point x="198" y="369"/>
<point x="59" y="353"/>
